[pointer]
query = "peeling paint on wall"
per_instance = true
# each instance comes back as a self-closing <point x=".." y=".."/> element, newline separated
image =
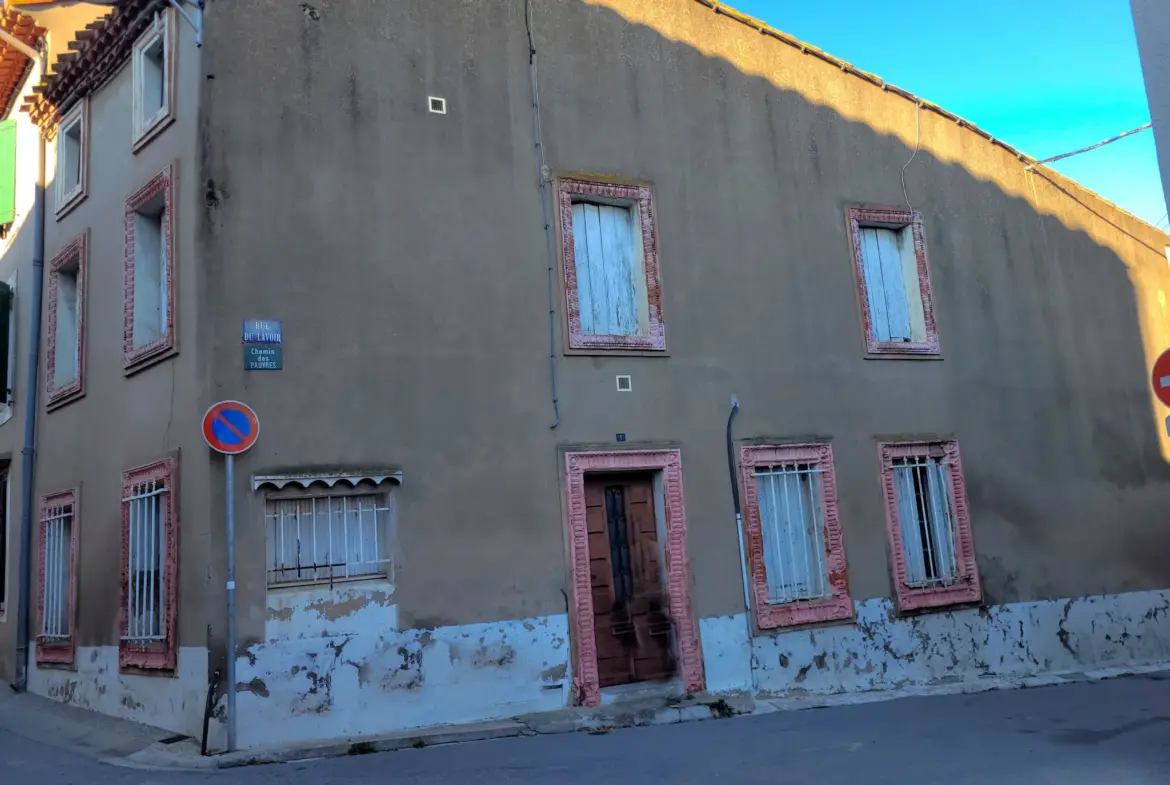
<point x="335" y="664"/>
<point x="172" y="703"/>
<point x="881" y="651"/>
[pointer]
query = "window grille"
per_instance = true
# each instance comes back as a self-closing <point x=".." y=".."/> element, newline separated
<point x="792" y="520"/>
<point x="314" y="539"/>
<point x="921" y="484"/>
<point x="146" y="561"/>
<point x="57" y="522"/>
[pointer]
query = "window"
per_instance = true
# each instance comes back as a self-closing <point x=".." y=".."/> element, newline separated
<point x="928" y="527"/>
<point x="7" y="175"/>
<point x="72" y="152"/>
<point x="323" y="539"/>
<point x="57" y="579"/>
<point x="890" y="257"/>
<point x="796" y="554"/>
<point x="66" y="340"/>
<point x="5" y="529"/>
<point x="149" y="297"/>
<point x="153" y="79"/>
<point x="7" y="345"/>
<point x="610" y="249"/>
<point x="149" y="566"/>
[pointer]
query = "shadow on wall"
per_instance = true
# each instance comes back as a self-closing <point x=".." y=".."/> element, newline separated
<point x="1048" y="315"/>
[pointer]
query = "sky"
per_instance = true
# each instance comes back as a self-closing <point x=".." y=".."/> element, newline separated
<point x="1046" y="76"/>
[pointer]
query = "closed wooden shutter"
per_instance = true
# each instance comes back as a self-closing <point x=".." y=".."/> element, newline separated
<point x="607" y="290"/>
<point x="7" y="172"/>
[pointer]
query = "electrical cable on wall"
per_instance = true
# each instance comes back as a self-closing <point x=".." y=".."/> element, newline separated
<point x="1111" y="140"/>
<point x="917" y="143"/>
<point x="542" y="175"/>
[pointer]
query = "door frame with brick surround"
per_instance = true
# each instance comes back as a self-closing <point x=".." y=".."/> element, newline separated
<point x="586" y="683"/>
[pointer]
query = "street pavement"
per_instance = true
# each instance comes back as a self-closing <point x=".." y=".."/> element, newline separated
<point x="1104" y="733"/>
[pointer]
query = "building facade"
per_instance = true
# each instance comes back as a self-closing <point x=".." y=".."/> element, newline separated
<point x="1151" y="22"/>
<point x="491" y="276"/>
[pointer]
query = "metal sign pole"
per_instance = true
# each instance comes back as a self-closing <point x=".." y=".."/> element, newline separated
<point x="229" y="473"/>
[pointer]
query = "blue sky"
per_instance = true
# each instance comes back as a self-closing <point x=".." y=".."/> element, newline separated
<point x="1046" y="76"/>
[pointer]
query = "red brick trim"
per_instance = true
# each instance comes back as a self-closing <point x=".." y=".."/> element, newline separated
<point x="65" y="202"/>
<point x="56" y="651"/>
<point x="643" y="198"/>
<point x="586" y="682"/>
<point x="966" y="588"/>
<point x="837" y="607"/>
<point x="155" y="655"/>
<point x="76" y="253"/>
<point x="861" y="217"/>
<point x="133" y="358"/>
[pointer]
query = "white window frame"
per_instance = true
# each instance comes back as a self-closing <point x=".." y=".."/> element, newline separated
<point x="145" y="268"/>
<point x="925" y="520"/>
<point x="147" y="513"/>
<point x="68" y="196"/>
<point x="283" y="533"/>
<point x="775" y="493"/>
<point x="161" y="30"/>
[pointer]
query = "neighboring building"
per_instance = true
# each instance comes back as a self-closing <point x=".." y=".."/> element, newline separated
<point x="415" y="544"/>
<point x="1151" y="22"/>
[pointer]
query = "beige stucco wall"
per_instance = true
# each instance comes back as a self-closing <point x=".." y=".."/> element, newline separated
<point x="404" y="252"/>
<point x="127" y="421"/>
<point x="1151" y="21"/>
<point x="16" y="255"/>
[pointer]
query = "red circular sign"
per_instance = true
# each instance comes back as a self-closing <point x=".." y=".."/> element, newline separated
<point x="231" y="427"/>
<point x="1162" y="378"/>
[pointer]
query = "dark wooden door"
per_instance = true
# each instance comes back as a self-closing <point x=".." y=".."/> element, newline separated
<point x="630" y="615"/>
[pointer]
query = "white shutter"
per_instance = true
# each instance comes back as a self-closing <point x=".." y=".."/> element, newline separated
<point x="604" y="258"/>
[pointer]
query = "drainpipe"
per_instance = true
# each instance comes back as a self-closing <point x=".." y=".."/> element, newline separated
<point x="743" y="566"/>
<point x="30" y="394"/>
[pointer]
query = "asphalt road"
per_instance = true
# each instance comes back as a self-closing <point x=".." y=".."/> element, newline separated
<point x="1106" y="733"/>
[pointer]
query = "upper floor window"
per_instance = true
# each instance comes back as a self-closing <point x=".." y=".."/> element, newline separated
<point x="890" y="257"/>
<point x="610" y="247"/>
<point x="72" y="156"/>
<point x="796" y="553"/>
<point x="65" y="355"/>
<point x="154" y="68"/>
<point x="928" y="525"/>
<point x="149" y="293"/>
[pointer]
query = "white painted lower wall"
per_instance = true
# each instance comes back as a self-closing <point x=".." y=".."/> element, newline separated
<point x="173" y="702"/>
<point x="335" y="665"/>
<point x="880" y="651"/>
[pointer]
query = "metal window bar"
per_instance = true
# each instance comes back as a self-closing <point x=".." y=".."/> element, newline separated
<point x="793" y="524"/>
<point x="316" y="539"/>
<point x="146" y="557"/>
<point x="922" y="487"/>
<point x="58" y="525"/>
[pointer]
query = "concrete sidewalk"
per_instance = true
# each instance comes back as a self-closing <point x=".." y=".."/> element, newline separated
<point x="132" y="745"/>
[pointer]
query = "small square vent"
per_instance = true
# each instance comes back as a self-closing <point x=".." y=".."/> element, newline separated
<point x="437" y="105"/>
<point x="624" y="384"/>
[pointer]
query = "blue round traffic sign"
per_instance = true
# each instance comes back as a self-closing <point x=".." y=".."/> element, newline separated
<point x="230" y="427"/>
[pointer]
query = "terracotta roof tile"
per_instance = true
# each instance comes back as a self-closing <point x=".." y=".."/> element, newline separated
<point x="95" y="55"/>
<point x="14" y="64"/>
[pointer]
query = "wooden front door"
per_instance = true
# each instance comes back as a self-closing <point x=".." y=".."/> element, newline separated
<point x="630" y="611"/>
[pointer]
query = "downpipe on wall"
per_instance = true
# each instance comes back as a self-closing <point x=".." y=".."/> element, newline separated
<point x="28" y="452"/>
<point x="743" y="567"/>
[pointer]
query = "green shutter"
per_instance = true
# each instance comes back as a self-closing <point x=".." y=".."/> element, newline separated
<point x="7" y="172"/>
<point x="7" y="175"/>
<point x="6" y="352"/>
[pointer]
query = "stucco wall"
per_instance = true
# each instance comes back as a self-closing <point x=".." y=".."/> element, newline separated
<point x="1151" y="21"/>
<point x="127" y="421"/>
<point x="405" y="254"/>
<point x="16" y="254"/>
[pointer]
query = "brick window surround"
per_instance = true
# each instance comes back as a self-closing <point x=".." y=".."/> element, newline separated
<point x="893" y="218"/>
<point x="73" y="256"/>
<point x="586" y="680"/>
<point x="965" y="588"/>
<point x="152" y="655"/>
<point x="58" y="651"/>
<point x="161" y="185"/>
<point x="836" y="607"/>
<point x="570" y="190"/>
